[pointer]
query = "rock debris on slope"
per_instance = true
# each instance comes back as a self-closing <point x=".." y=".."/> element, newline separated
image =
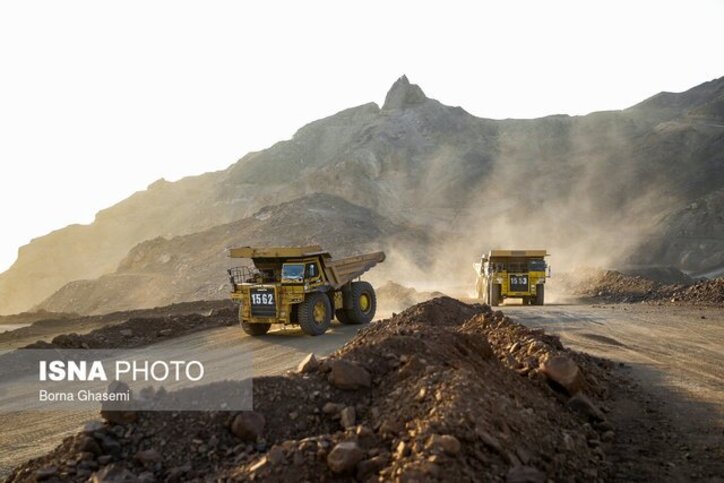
<point x="444" y="390"/>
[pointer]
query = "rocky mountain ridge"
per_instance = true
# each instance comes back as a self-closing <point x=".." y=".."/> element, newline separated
<point x="593" y="188"/>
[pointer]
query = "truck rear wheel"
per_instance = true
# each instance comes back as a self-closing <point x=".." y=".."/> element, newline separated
<point x="495" y="295"/>
<point x="315" y="314"/>
<point x="363" y="304"/>
<point x="539" y="294"/>
<point x="255" y="329"/>
<point x="342" y="316"/>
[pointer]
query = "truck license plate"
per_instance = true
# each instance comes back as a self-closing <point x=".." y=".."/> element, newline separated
<point x="519" y="283"/>
<point x="263" y="302"/>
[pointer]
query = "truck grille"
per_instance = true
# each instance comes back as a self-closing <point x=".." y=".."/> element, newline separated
<point x="518" y="283"/>
<point x="263" y="302"/>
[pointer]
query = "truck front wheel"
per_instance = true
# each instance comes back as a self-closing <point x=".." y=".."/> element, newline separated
<point x="495" y="295"/>
<point x="539" y="294"/>
<point x="255" y="329"/>
<point x="315" y="314"/>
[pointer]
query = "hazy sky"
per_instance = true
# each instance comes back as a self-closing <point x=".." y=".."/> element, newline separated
<point x="99" y="99"/>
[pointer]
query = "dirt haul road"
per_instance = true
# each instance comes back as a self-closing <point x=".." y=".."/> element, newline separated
<point x="30" y="434"/>
<point x="673" y="353"/>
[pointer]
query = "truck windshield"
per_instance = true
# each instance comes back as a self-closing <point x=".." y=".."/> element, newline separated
<point x="293" y="272"/>
<point x="536" y="265"/>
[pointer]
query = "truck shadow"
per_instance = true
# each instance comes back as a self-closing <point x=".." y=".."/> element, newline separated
<point x="295" y="337"/>
<point x="662" y="432"/>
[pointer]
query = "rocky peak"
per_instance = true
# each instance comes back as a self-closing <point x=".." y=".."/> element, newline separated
<point x="402" y="94"/>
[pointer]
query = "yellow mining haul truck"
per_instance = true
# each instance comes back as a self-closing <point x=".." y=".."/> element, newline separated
<point x="301" y="285"/>
<point x="505" y="274"/>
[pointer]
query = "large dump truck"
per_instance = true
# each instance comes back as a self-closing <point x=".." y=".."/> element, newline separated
<point x="301" y="285"/>
<point x="503" y="274"/>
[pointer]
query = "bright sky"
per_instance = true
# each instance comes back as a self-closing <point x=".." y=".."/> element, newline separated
<point x="99" y="99"/>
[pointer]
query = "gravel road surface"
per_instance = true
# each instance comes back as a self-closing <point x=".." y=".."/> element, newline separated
<point x="674" y="353"/>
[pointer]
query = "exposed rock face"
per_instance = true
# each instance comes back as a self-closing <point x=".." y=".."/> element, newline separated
<point x="564" y="373"/>
<point x="308" y="364"/>
<point x="417" y="162"/>
<point x="403" y="95"/>
<point x="346" y="375"/>
<point x="248" y="426"/>
<point x="344" y="457"/>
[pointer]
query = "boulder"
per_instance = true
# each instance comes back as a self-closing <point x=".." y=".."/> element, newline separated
<point x="583" y="406"/>
<point x="347" y="417"/>
<point x="248" y="425"/>
<point x="148" y="457"/>
<point x="445" y="442"/>
<point x="344" y="457"/>
<point x="89" y="444"/>
<point x="46" y="472"/>
<point x="308" y="364"/>
<point x="332" y="408"/>
<point x="276" y="455"/>
<point x="563" y="374"/>
<point x="349" y="376"/>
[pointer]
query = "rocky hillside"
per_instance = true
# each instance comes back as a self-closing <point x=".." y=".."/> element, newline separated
<point x="691" y="237"/>
<point x="590" y="188"/>
<point x="193" y="267"/>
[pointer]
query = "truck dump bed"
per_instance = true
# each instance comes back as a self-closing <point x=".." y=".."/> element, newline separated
<point x="517" y="253"/>
<point x="343" y="270"/>
<point x="338" y="272"/>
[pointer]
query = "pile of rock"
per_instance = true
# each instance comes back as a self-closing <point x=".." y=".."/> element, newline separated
<point x="615" y="287"/>
<point x="612" y="286"/>
<point x="444" y="390"/>
<point x="708" y="292"/>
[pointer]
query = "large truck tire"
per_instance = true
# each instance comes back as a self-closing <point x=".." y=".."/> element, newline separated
<point x="540" y="294"/>
<point x="362" y="303"/>
<point x="495" y="295"/>
<point x="342" y="316"/>
<point x="315" y="314"/>
<point x="255" y="329"/>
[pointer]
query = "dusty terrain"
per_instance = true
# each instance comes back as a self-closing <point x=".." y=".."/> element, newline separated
<point x="424" y="167"/>
<point x="665" y="405"/>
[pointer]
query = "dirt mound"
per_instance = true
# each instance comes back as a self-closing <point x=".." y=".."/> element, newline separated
<point x="444" y="390"/>
<point x="615" y="287"/>
<point x="45" y="329"/>
<point x="612" y="286"/>
<point x="140" y="331"/>
<point x="393" y="297"/>
<point x="704" y="292"/>
<point x="663" y="274"/>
